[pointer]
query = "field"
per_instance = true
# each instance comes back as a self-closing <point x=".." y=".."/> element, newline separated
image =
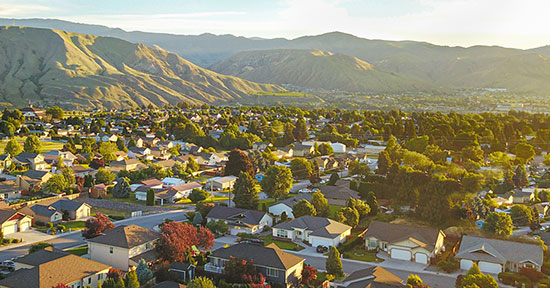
<point x="46" y="145"/>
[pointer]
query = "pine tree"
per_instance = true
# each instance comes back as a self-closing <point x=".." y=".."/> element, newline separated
<point x="246" y="192"/>
<point x="143" y="272"/>
<point x="384" y="162"/>
<point x="333" y="264"/>
<point x="132" y="280"/>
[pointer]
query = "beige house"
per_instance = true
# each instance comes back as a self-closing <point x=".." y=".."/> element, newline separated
<point x="32" y="160"/>
<point x="12" y="221"/>
<point x="404" y="242"/>
<point x="42" y="213"/>
<point x="49" y="267"/>
<point x="32" y="179"/>
<point x="126" y="164"/>
<point x="124" y="246"/>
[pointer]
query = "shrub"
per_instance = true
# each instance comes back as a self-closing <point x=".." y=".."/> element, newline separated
<point x="532" y="274"/>
<point x="49" y="225"/>
<point x="449" y="265"/>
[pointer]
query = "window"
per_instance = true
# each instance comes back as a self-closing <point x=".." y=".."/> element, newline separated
<point x="90" y="280"/>
<point x="272" y="272"/>
<point x="111" y="250"/>
<point x="282" y="233"/>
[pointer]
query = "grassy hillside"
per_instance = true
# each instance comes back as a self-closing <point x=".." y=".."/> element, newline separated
<point x="53" y="66"/>
<point x="315" y="69"/>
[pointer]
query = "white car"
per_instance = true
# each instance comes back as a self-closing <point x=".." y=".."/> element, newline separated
<point x="305" y="190"/>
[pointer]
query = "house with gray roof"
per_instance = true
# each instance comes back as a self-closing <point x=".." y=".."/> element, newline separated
<point x="276" y="265"/>
<point x="42" y="213"/>
<point x="405" y="242"/>
<point x="495" y="256"/>
<point x="372" y="277"/>
<point x="240" y="220"/>
<point x="315" y="230"/>
<point x="286" y="205"/>
<point x="73" y="209"/>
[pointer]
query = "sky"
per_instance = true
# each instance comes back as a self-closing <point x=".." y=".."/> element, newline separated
<point x="509" y="23"/>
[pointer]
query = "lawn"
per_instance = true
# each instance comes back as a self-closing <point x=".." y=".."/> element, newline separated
<point x="361" y="254"/>
<point x="78" y="251"/>
<point x="46" y="145"/>
<point x="281" y="244"/>
<point x="333" y="210"/>
<point x="74" y="225"/>
<point x="109" y="212"/>
<point x="267" y="202"/>
<point x="130" y="200"/>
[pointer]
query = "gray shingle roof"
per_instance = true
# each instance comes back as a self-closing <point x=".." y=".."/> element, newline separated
<point x="268" y="256"/>
<point x="423" y="236"/>
<point x="290" y="202"/>
<point x="6" y="214"/>
<point x="338" y="192"/>
<point x="42" y="256"/>
<point x="321" y="227"/>
<point x="251" y="217"/>
<point x="43" y="210"/>
<point x="372" y="277"/>
<point x="499" y="251"/>
<point x="66" y="204"/>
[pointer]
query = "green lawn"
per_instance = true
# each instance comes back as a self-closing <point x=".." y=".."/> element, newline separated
<point x="109" y="212"/>
<point x="361" y="254"/>
<point x="79" y="251"/>
<point x="74" y="225"/>
<point x="282" y="244"/>
<point x="267" y="202"/>
<point x="333" y="210"/>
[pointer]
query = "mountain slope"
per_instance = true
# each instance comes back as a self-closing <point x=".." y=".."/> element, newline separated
<point x="63" y="67"/>
<point x="314" y="69"/>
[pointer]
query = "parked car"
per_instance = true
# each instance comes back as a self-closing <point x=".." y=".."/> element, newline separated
<point x="8" y="265"/>
<point x="322" y="249"/>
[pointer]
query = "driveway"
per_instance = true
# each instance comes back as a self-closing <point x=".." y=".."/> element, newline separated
<point x="225" y="240"/>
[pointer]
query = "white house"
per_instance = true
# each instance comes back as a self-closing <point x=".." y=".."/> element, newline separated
<point x="221" y="183"/>
<point x="286" y="205"/>
<point x="315" y="230"/>
<point x="171" y="182"/>
<point x="240" y="220"/>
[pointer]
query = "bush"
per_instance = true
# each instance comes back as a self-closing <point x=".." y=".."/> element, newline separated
<point x="449" y="265"/>
<point x="49" y="225"/>
<point x="510" y="278"/>
<point x="532" y="274"/>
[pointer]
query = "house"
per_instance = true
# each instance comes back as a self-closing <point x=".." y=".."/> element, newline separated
<point x="338" y="195"/>
<point x="150" y="141"/>
<point x="171" y="182"/>
<point x="240" y="220"/>
<point x="160" y="153"/>
<point x="314" y="230"/>
<point x="187" y="188"/>
<point x="140" y="153"/>
<point x="495" y="256"/>
<point x="98" y="190"/>
<point x="277" y="266"/>
<point x="81" y="171"/>
<point x="51" y="270"/>
<point x="285" y="152"/>
<point x="32" y="160"/>
<point x="12" y="221"/>
<point x="405" y="242"/>
<point x="32" y="260"/>
<point x="372" y="277"/>
<point x="74" y="210"/>
<point x="5" y="162"/>
<point x="9" y="190"/>
<point x="301" y="150"/>
<point x="33" y="179"/>
<point x="166" y="164"/>
<point x="261" y="145"/>
<point x="524" y="196"/>
<point x="122" y="247"/>
<point x="286" y="205"/>
<point x="221" y="183"/>
<point x="42" y="213"/>
<point x="183" y="271"/>
<point x="126" y="164"/>
<point x="67" y="157"/>
<point x="33" y="113"/>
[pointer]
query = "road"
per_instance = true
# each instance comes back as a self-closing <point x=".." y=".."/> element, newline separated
<point x="75" y="239"/>
<point x="433" y="280"/>
<point x="526" y="230"/>
<point x="305" y="183"/>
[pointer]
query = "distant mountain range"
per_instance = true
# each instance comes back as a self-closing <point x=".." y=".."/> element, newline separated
<point x="395" y="66"/>
<point x="57" y="67"/>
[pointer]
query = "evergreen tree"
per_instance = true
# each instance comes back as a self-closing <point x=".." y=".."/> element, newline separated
<point x="277" y="182"/>
<point x="384" y="162"/>
<point x="197" y="219"/>
<point x="300" y="131"/>
<point x="246" y="192"/>
<point x="333" y="179"/>
<point x="373" y="203"/>
<point x="143" y="272"/>
<point x="303" y="208"/>
<point x="333" y="263"/>
<point x="150" y="197"/>
<point x="132" y="280"/>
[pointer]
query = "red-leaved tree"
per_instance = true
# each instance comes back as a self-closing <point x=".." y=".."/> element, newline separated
<point x="97" y="225"/>
<point x="176" y="238"/>
<point x="308" y="275"/>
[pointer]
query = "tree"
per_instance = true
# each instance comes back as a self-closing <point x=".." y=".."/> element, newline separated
<point x="373" y="203"/>
<point x="277" y="182"/>
<point x="357" y="204"/>
<point x="474" y="278"/>
<point x="55" y="112"/>
<point x="7" y="128"/>
<point x="97" y="225"/>
<point x="104" y="176"/>
<point x="414" y="280"/>
<point x="201" y="282"/>
<point x="524" y="152"/>
<point x="32" y="144"/>
<point x="57" y="183"/>
<point x="384" y="162"/>
<point x="520" y="177"/>
<point x="197" y="219"/>
<point x="300" y="131"/>
<point x="13" y="148"/>
<point x="122" y="188"/>
<point x="132" y="280"/>
<point x="219" y="227"/>
<point x="320" y="203"/>
<point x="192" y="165"/>
<point x="238" y="162"/>
<point x="333" y="263"/>
<point x="246" y="192"/>
<point x="144" y="274"/>
<point x="498" y="223"/>
<point x="150" y="197"/>
<point x="198" y="195"/>
<point x="177" y="238"/>
<point x="303" y="208"/>
<point x="39" y="246"/>
<point x="235" y="269"/>
<point x="348" y="216"/>
<point x="301" y="168"/>
<point x="326" y="149"/>
<point x="107" y="150"/>
<point x="309" y="274"/>
<point x="333" y="179"/>
<point x="521" y="215"/>
<point x="97" y="163"/>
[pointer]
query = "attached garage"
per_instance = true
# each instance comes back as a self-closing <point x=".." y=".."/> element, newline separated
<point x="9" y="228"/>
<point x="25" y="226"/>
<point x="489" y="267"/>
<point x="400" y="254"/>
<point x="316" y="241"/>
<point x="421" y="258"/>
<point x="466" y="264"/>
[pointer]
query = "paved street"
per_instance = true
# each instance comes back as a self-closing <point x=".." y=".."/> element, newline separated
<point x="75" y="239"/>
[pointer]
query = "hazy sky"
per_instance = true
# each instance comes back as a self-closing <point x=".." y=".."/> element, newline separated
<point x="511" y="23"/>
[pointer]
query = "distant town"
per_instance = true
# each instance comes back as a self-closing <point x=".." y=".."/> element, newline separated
<point x="207" y="196"/>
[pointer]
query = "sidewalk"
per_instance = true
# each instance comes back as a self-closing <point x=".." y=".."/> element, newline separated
<point x="36" y="236"/>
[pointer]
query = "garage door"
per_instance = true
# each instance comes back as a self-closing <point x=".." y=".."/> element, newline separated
<point x="421" y="258"/>
<point x="488" y="267"/>
<point x="317" y="241"/>
<point x="10" y="229"/>
<point x="466" y="264"/>
<point x="400" y="254"/>
<point x="24" y="226"/>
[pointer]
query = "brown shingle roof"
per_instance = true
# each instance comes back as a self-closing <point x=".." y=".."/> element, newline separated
<point x="268" y="256"/>
<point x="126" y="236"/>
<point x="423" y="236"/>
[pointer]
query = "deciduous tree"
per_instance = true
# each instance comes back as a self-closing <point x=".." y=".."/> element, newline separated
<point x="246" y="192"/>
<point x="97" y="225"/>
<point x="277" y="182"/>
<point x="177" y="238"/>
<point x="238" y="162"/>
